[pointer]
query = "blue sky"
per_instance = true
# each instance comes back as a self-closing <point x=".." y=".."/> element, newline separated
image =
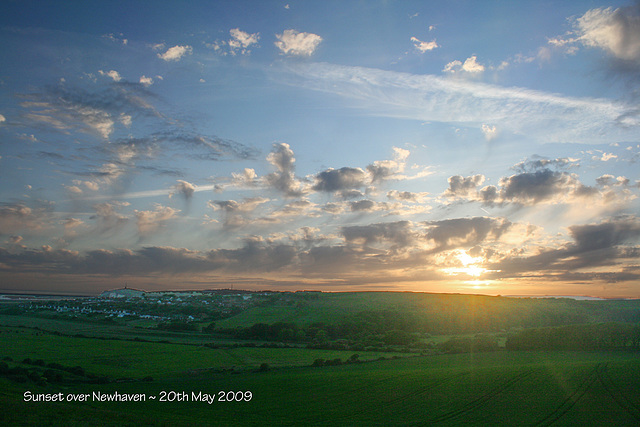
<point x="479" y="147"/>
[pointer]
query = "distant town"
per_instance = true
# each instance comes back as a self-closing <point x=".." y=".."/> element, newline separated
<point x="149" y="309"/>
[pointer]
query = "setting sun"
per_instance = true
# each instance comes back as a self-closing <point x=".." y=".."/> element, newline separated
<point x="469" y="265"/>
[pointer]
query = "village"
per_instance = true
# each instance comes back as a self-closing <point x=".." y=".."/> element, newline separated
<point x="140" y="308"/>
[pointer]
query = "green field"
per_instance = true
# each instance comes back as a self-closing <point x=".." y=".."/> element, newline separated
<point x="504" y="388"/>
<point x="529" y="378"/>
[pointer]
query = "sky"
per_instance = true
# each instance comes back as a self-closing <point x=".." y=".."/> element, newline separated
<point x="464" y="147"/>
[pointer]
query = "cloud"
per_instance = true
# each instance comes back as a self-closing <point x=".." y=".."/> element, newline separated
<point x="146" y="81"/>
<point x="460" y="186"/>
<point x="542" y="185"/>
<point x="522" y="189"/>
<point x="407" y="196"/>
<point x="607" y="244"/>
<point x="148" y="222"/>
<point x="241" y="41"/>
<point x="284" y="179"/>
<point x="542" y="163"/>
<point x="247" y="177"/>
<point x="429" y="98"/>
<point x="113" y="74"/>
<point x="614" y="31"/>
<point x="465" y="232"/>
<point x="334" y="180"/>
<point x="184" y="188"/>
<point x="293" y="210"/>
<point x="381" y="170"/>
<point x="107" y="219"/>
<point x="19" y="216"/>
<point x="93" y="111"/>
<point x="176" y="53"/>
<point x="394" y="235"/>
<point x="607" y="234"/>
<point x="65" y="110"/>
<point x="292" y="42"/>
<point x="2" y="119"/>
<point x="608" y="180"/>
<point x="470" y="65"/>
<point x="423" y="47"/>
<point x="490" y="132"/>
<point x="365" y="205"/>
<point x="235" y="214"/>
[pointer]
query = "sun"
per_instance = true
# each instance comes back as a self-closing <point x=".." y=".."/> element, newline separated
<point x="471" y="266"/>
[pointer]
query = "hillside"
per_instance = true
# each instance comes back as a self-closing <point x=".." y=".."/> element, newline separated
<point x="434" y="313"/>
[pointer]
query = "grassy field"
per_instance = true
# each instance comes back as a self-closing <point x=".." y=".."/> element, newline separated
<point x="419" y="386"/>
<point x="131" y="359"/>
<point x="503" y="388"/>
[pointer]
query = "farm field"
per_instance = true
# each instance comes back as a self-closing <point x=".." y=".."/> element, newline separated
<point x="496" y="388"/>
<point x="288" y="359"/>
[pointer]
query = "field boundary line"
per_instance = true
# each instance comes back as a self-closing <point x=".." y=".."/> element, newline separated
<point x="480" y="401"/>
<point x="616" y="394"/>
<point x="572" y="399"/>
<point x="402" y="398"/>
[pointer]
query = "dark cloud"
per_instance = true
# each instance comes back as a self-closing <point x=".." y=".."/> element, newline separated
<point x="398" y="234"/>
<point x="363" y="205"/>
<point x="534" y="187"/>
<point x="605" y="235"/>
<point x="129" y="107"/>
<point x="594" y="246"/>
<point x="542" y="163"/>
<point x="346" y="178"/>
<point x="65" y="108"/>
<point x="183" y="188"/>
<point x="284" y="179"/>
<point x="205" y="147"/>
<point x="406" y="196"/>
<point x="254" y="255"/>
<point x="382" y="170"/>
<point x="460" y="186"/>
<point x="463" y="232"/>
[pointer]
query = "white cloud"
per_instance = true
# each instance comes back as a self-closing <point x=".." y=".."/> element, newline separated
<point x="615" y="31"/>
<point x="453" y="66"/>
<point x="2" y="119"/>
<point x="490" y="132"/>
<point x="605" y="157"/>
<point x="239" y="43"/>
<point x="440" y="99"/>
<point x="424" y="46"/>
<point x="147" y="81"/>
<point x="176" y="53"/>
<point x="113" y="74"/>
<point x="292" y="42"/>
<point x="240" y="40"/>
<point x="470" y="65"/>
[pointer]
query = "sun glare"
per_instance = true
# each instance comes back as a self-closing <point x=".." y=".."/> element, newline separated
<point x="471" y="266"/>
